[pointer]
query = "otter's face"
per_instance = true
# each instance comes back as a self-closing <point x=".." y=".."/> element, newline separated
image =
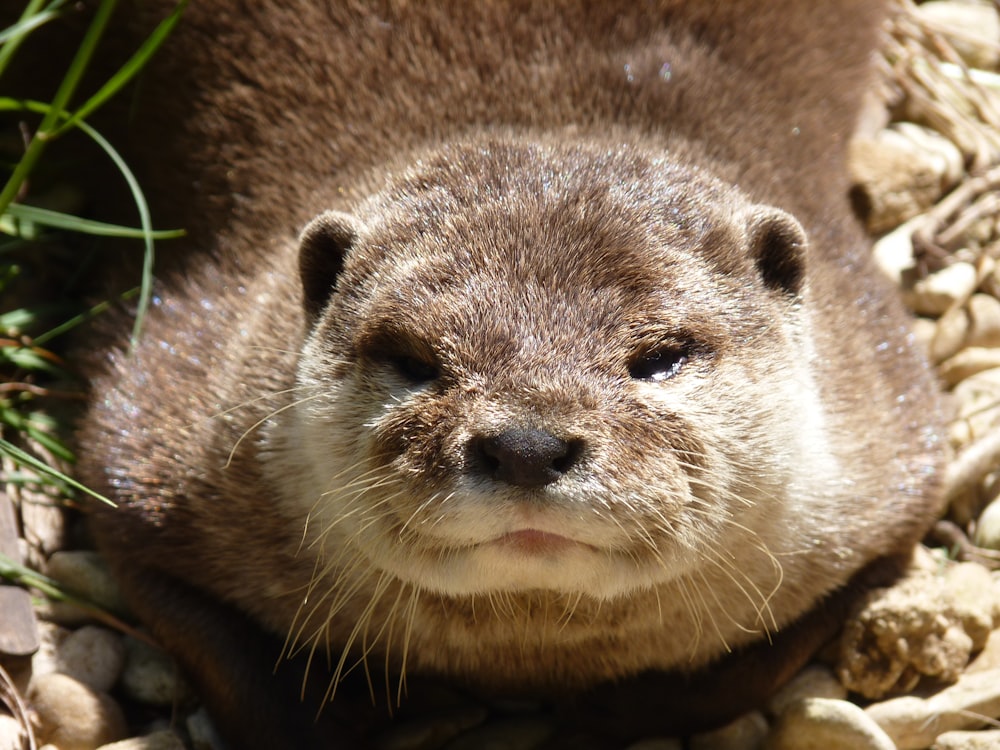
<point x="523" y="373"/>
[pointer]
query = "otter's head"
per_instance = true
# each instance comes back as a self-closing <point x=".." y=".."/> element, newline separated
<point x="549" y="367"/>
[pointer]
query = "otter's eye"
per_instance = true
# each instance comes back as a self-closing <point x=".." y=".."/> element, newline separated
<point x="659" y="364"/>
<point x="414" y="369"/>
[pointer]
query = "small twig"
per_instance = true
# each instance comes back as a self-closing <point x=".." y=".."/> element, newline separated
<point x="970" y="466"/>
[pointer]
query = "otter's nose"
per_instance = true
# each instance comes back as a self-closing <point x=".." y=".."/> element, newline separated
<point x="526" y="457"/>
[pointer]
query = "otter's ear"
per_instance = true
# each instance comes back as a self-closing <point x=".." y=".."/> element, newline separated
<point x="322" y="247"/>
<point x="778" y="246"/>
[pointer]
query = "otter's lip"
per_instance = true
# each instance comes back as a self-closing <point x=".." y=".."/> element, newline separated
<point x="536" y="542"/>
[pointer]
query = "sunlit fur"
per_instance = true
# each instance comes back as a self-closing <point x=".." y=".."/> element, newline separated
<point x="526" y="199"/>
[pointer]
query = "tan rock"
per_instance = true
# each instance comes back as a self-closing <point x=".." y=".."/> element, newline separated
<point x="657" y="743"/>
<point x="743" y="733"/>
<point x="903" y="170"/>
<point x="971" y="28"/>
<point x="988" y="527"/>
<point x="914" y="723"/>
<point x="893" y="253"/>
<point x="86" y="574"/>
<point x="944" y="289"/>
<point x="984" y="318"/>
<point x="72" y="715"/>
<point x="968" y="362"/>
<point x="815" y="681"/>
<point x="950" y="334"/>
<point x="987" y="739"/>
<point x="165" y="740"/>
<point x="826" y="724"/>
<point x="916" y="628"/>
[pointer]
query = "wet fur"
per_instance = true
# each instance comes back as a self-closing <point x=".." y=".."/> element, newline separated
<point x="630" y="157"/>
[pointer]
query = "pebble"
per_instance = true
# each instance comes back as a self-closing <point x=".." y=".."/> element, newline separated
<point x="524" y="733"/>
<point x="971" y="28"/>
<point x="950" y="333"/>
<point x="826" y="724"/>
<point x="202" y="731"/>
<point x="51" y="637"/>
<point x="984" y="318"/>
<point x="165" y="740"/>
<point x="815" y="681"/>
<point x="989" y="657"/>
<point x="977" y="397"/>
<point x="93" y="655"/>
<point x="988" y="739"/>
<point x="10" y="733"/>
<point x="657" y="743"/>
<point x="430" y="732"/>
<point x="85" y="574"/>
<point x="988" y="527"/>
<point x="914" y="723"/>
<point x="970" y="586"/>
<point x="893" y="253"/>
<point x="968" y="362"/>
<point x="938" y="292"/>
<point x="903" y="170"/>
<point x="747" y="732"/>
<point x="151" y="676"/>
<point x="74" y="716"/>
<point x="43" y="526"/>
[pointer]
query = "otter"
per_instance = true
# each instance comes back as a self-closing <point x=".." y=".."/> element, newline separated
<point x="529" y="346"/>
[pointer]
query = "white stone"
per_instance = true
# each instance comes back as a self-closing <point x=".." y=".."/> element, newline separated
<point x="826" y="724"/>
<point x="86" y="574"/>
<point x="93" y="655"/>
<point x="204" y="735"/>
<point x="11" y="736"/>
<point x="893" y="253"/>
<point x="51" y="637"/>
<point x="988" y="527"/>
<point x="151" y="676"/>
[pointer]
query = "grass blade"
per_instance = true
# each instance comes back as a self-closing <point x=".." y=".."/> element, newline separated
<point x="127" y="71"/>
<point x="58" y="105"/>
<point x="26" y="459"/>
<point x="21" y="212"/>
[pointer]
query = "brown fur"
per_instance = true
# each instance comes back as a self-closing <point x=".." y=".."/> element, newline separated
<point x="527" y="201"/>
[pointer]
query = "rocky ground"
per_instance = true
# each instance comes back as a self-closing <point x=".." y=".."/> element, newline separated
<point x="917" y="667"/>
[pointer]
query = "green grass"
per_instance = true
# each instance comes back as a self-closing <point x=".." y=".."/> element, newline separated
<point x="32" y="374"/>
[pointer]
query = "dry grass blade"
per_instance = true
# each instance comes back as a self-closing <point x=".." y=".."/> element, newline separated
<point x="12" y="700"/>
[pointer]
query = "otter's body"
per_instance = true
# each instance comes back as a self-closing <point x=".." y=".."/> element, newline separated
<point x="581" y="373"/>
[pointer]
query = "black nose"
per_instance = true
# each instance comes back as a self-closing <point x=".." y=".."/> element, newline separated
<point x="526" y="457"/>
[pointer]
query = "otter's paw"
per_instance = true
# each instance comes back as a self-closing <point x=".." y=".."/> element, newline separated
<point x="926" y="625"/>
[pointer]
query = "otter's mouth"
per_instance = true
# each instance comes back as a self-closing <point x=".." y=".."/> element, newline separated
<point x="536" y="542"/>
